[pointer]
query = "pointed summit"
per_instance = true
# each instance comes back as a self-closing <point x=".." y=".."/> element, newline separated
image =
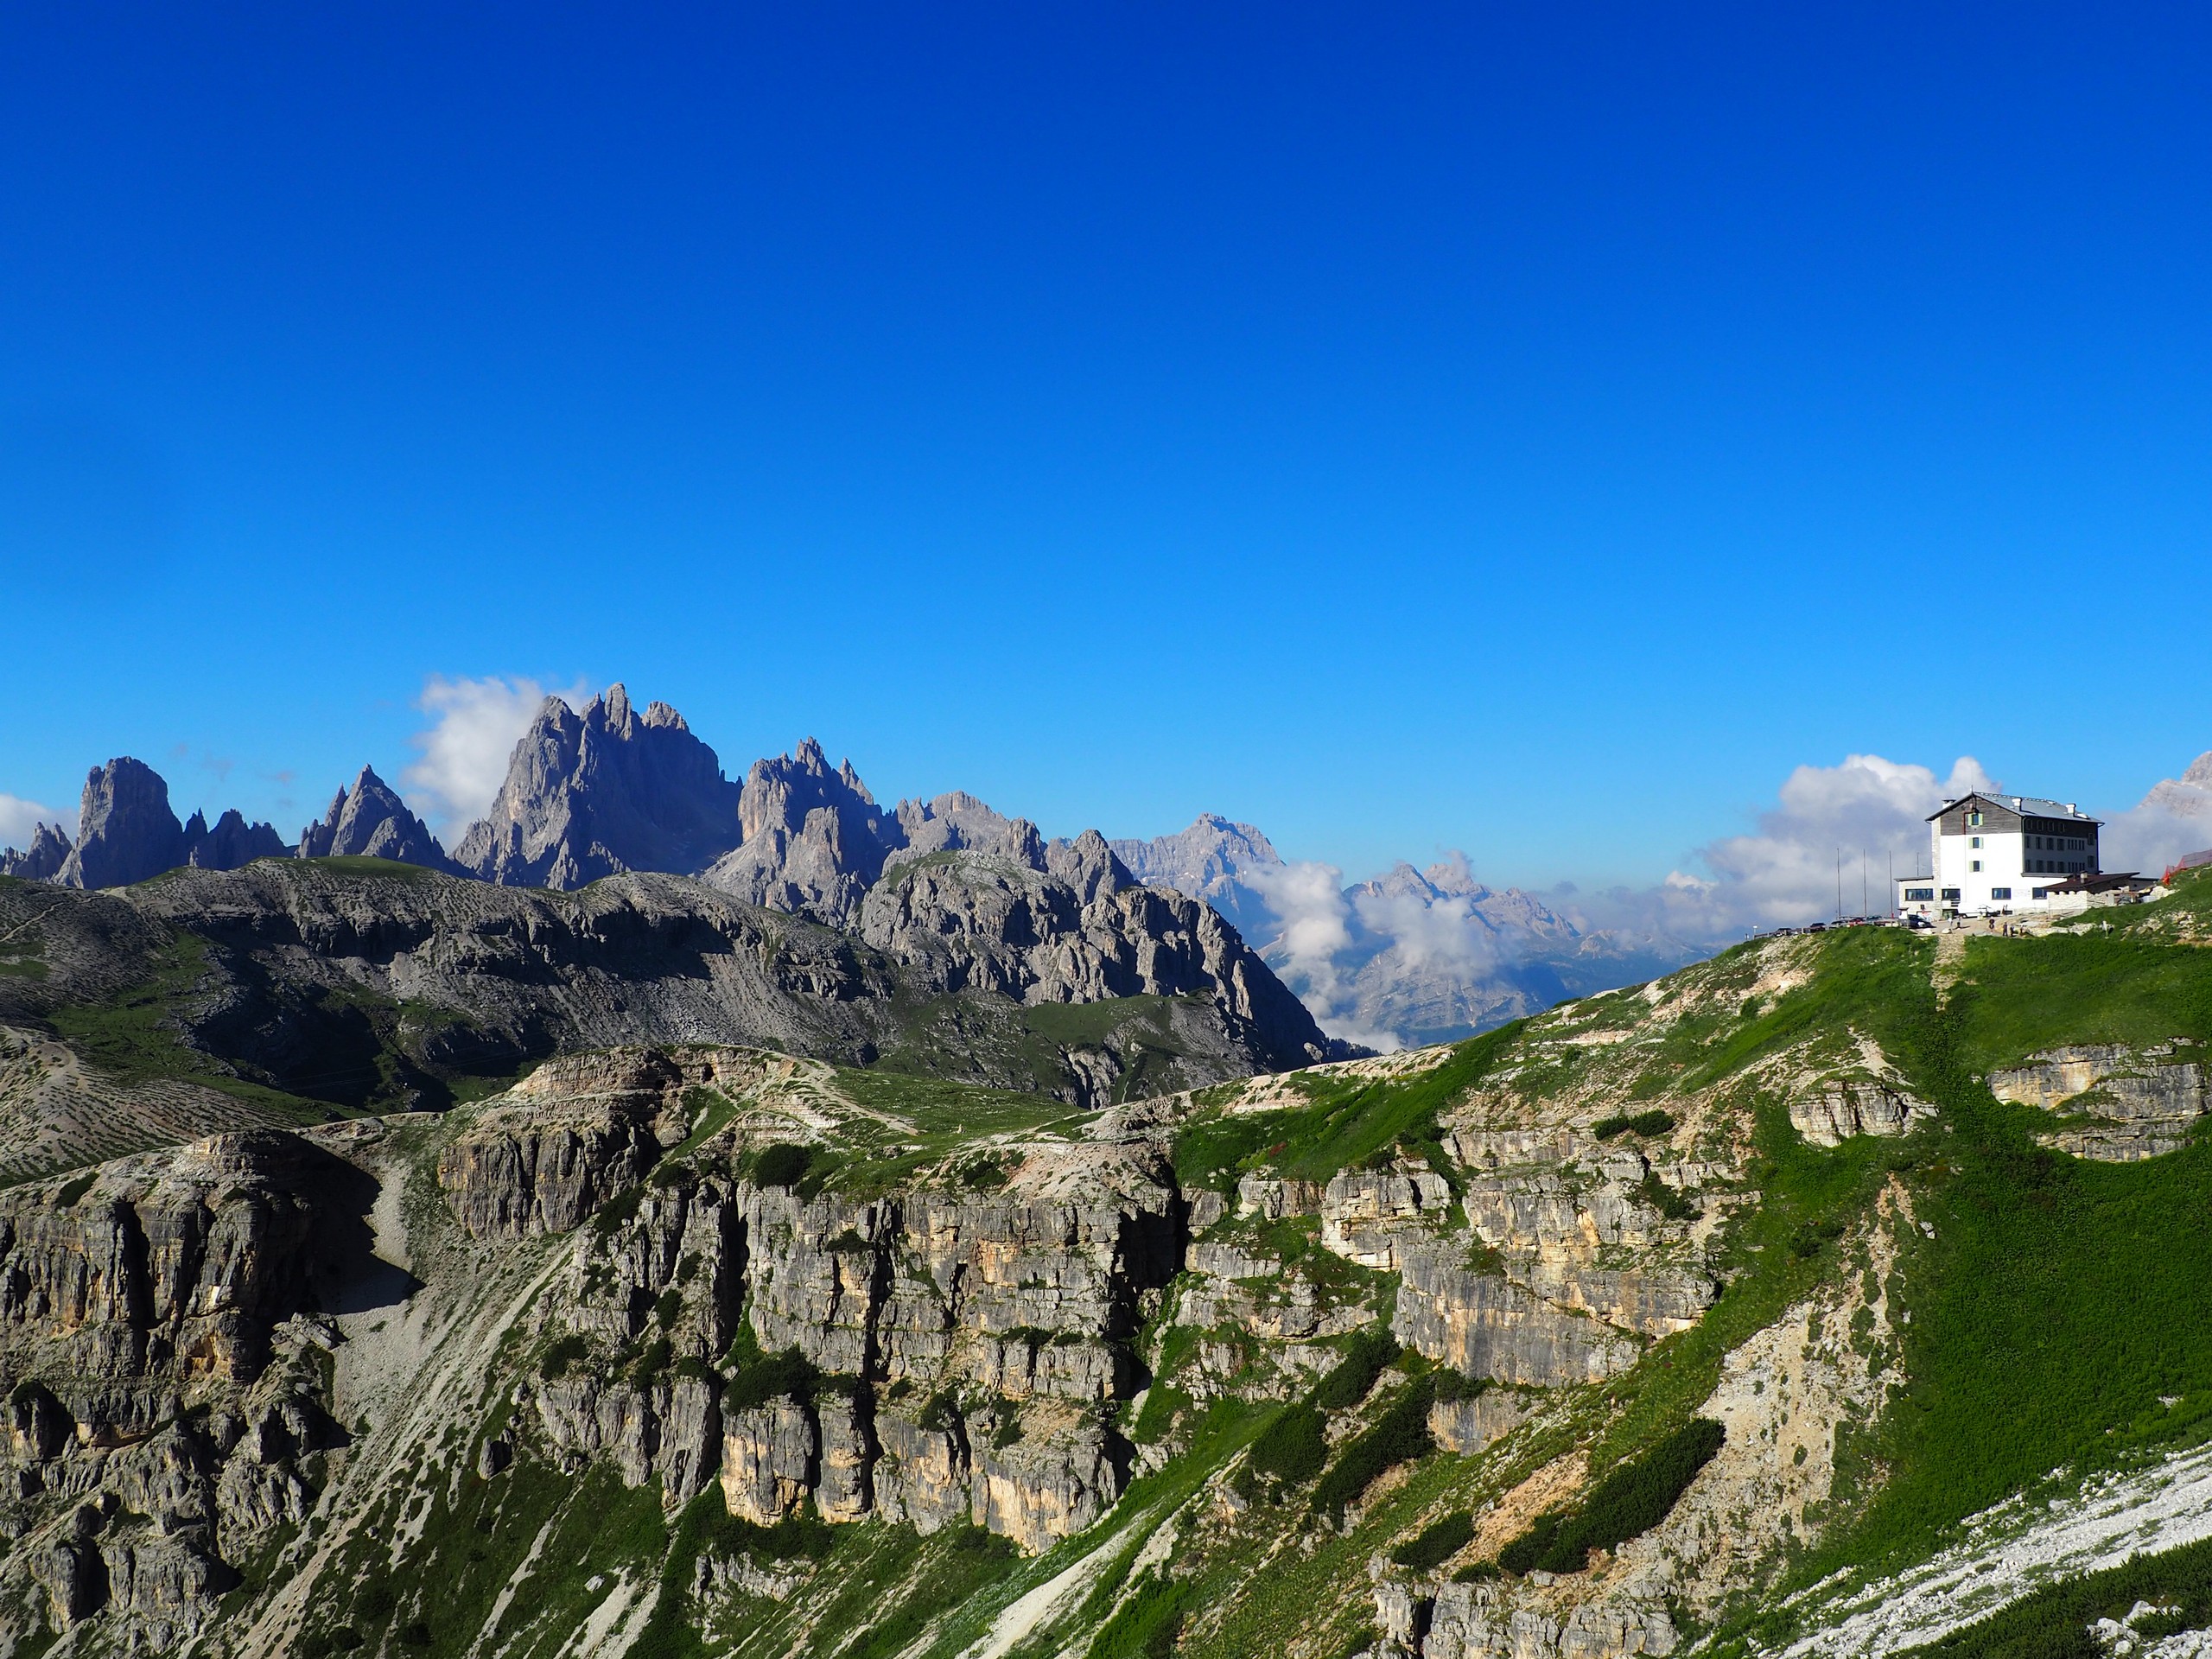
<point x="815" y="840"/>
<point x="371" y="820"/>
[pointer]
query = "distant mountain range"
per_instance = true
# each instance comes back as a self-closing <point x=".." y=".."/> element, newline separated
<point x="1412" y="956"/>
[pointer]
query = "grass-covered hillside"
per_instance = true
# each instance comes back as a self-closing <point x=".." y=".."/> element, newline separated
<point x="1695" y="1315"/>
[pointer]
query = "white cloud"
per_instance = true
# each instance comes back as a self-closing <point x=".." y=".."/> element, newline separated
<point x="1441" y="935"/>
<point x="1308" y="902"/>
<point x="19" y="820"/>
<point x="475" y="725"/>
<point x="1870" y="812"/>
<point x="1308" y="899"/>
<point x="2173" y="819"/>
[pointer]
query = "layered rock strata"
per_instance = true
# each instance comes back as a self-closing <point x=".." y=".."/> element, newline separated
<point x="2124" y="1104"/>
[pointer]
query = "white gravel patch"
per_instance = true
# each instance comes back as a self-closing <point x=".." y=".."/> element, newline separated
<point x="2013" y="1548"/>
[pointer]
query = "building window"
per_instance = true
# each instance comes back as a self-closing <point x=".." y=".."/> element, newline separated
<point x="1973" y="820"/>
<point x="2000" y="892"/>
<point x="1920" y="895"/>
<point x="2038" y="892"/>
<point x="1951" y="895"/>
<point x="1974" y="841"/>
<point x="1974" y="865"/>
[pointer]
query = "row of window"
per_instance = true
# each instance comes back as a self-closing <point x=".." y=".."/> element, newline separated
<point x="2048" y="843"/>
<point x="1927" y="895"/>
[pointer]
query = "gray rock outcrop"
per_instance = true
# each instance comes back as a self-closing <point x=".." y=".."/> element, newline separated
<point x="1832" y="1112"/>
<point x="2117" y="1104"/>
<point x="370" y="820"/>
<point x="597" y="793"/>
<point x="43" y="860"/>
<point x="1482" y="1621"/>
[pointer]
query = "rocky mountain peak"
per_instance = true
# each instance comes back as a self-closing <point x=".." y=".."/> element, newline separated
<point x="592" y="794"/>
<point x="43" y="860"/>
<point x="371" y="820"/>
<point x="1087" y="865"/>
<point x="126" y="832"/>
<point x="814" y="840"/>
<point x="232" y="844"/>
<point x="1210" y="861"/>
<point x="957" y="821"/>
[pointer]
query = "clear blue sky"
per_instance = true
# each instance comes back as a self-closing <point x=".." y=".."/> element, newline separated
<point x="1531" y="430"/>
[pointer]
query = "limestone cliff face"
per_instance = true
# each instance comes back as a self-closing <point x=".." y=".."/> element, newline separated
<point x="166" y="1419"/>
<point x="597" y="793"/>
<point x="1831" y="1113"/>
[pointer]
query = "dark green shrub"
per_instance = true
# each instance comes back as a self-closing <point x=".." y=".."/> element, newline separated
<point x="803" y="1536"/>
<point x="1667" y="1201"/>
<point x="849" y="1243"/>
<point x="652" y="1359"/>
<point x="940" y="1414"/>
<point x="1147" y="1623"/>
<point x="787" y="1375"/>
<point x="1291" y="1450"/>
<point x="1813" y="1236"/>
<point x="75" y="1188"/>
<point x="784" y="1163"/>
<point x="561" y="1354"/>
<point x="1447" y="1385"/>
<point x="667" y="1305"/>
<point x="1399" y="1436"/>
<point x="1524" y="1552"/>
<point x="1437" y="1543"/>
<point x="377" y="1602"/>
<point x="1630" y="1501"/>
<point x="1476" y="1572"/>
<point x="415" y="1634"/>
<point x="1350" y="1379"/>
<point x="617" y="1212"/>
<point x="985" y="1174"/>
<point x="1648" y="1124"/>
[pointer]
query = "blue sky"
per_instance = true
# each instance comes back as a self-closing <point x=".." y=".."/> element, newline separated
<point x="1533" y="431"/>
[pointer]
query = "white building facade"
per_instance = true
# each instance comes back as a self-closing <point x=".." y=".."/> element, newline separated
<point x="1996" y="854"/>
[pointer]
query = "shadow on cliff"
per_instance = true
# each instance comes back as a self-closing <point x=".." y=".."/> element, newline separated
<point x="345" y="1272"/>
